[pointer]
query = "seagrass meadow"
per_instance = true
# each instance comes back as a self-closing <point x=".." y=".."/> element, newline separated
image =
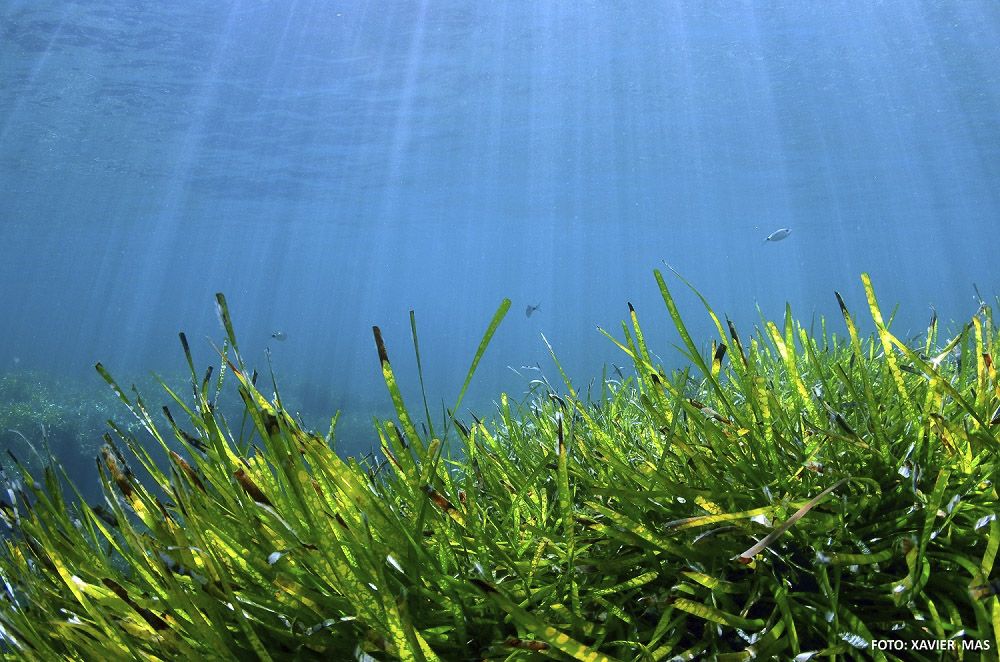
<point x="793" y="493"/>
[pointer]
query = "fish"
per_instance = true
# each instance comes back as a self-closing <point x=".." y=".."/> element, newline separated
<point x="530" y="309"/>
<point x="280" y="336"/>
<point x="778" y="235"/>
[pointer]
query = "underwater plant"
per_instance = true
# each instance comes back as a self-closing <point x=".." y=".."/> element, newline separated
<point x="787" y="495"/>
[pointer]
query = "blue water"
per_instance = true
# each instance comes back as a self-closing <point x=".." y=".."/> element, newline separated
<point x="332" y="165"/>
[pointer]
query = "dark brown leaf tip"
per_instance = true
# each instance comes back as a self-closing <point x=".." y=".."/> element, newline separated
<point x="840" y="302"/>
<point x="383" y="356"/>
<point x="720" y="353"/>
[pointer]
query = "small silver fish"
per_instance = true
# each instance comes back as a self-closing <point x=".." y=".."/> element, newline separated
<point x="530" y="309"/>
<point x="279" y="335"/>
<point x="778" y="235"/>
